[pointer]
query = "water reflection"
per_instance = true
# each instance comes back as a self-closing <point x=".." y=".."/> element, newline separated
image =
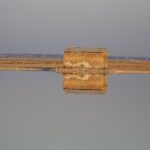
<point x="85" y="83"/>
<point x="84" y="71"/>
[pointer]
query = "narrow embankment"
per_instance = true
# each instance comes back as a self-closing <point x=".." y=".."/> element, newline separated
<point x="114" y="66"/>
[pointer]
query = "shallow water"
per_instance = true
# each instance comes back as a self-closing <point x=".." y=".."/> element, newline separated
<point x="36" y="113"/>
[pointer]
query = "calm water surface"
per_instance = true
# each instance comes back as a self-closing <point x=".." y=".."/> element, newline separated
<point x="35" y="113"/>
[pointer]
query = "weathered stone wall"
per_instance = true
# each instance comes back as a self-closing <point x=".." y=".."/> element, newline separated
<point x="86" y="58"/>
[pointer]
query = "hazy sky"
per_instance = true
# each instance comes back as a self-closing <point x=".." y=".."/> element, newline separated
<point x="122" y="26"/>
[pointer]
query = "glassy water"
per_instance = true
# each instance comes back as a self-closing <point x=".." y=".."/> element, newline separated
<point x="36" y="113"/>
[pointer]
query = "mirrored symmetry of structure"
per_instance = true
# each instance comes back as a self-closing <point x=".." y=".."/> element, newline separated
<point x="85" y="83"/>
<point x="84" y="69"/>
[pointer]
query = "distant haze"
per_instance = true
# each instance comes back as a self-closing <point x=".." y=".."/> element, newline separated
<point x="48" y="26"/>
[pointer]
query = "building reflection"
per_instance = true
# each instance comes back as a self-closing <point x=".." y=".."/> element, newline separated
<point x="85" y="83"/>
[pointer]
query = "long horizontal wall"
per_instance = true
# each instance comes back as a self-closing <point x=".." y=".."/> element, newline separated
<point x="29" y="63"/>
<point x="128" y="66"/>
<point x="114" y="66"/>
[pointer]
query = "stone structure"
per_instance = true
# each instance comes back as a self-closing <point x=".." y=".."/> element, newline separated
<point x="86" y="58"/>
